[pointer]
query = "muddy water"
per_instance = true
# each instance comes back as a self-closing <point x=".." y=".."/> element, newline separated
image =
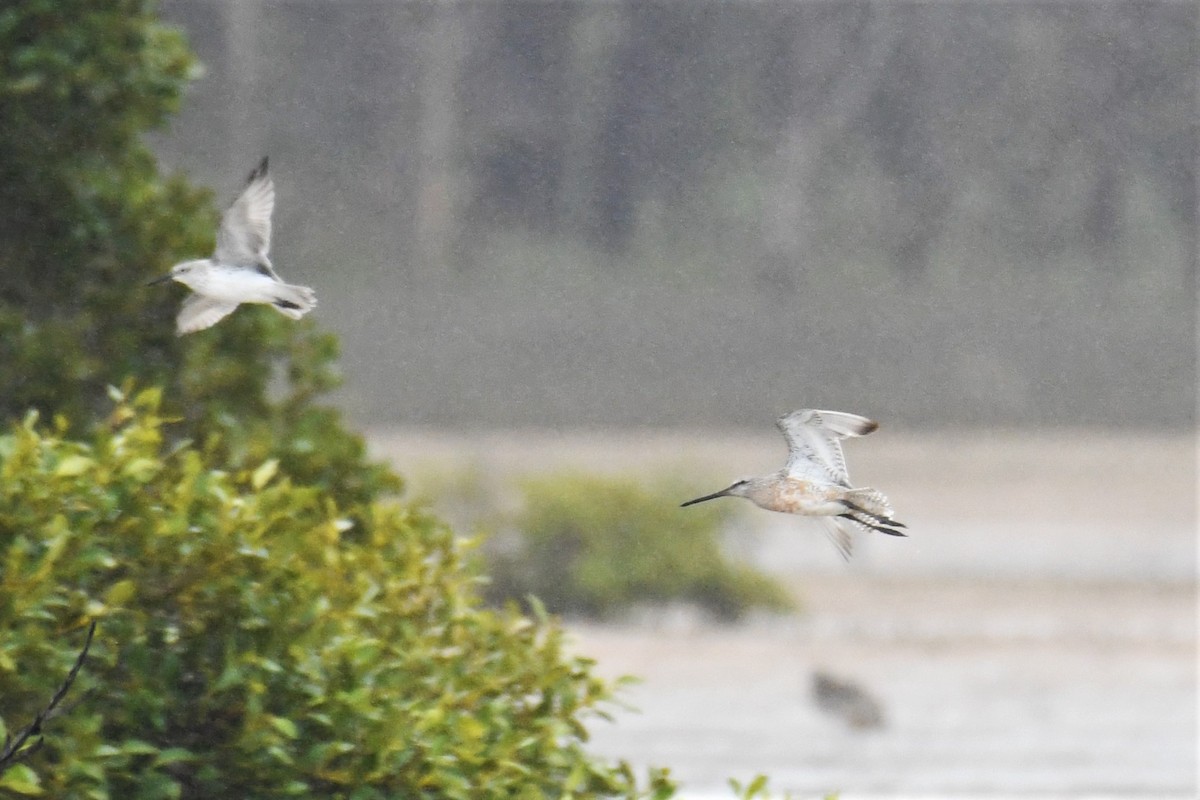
<point x="1035" y="636"/>
<point x="985" y="688"/>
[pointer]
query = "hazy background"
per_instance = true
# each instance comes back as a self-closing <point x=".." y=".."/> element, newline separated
<point x="705" y="214"/>
<point x="622" y="237"/>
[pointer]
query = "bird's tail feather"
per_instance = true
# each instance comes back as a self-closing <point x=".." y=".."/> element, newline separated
<point x="870" y="509"/>
<point x="294" y="301"/>
<point x="871" y="501"/>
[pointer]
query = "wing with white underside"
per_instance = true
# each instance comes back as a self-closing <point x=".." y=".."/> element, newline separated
<point x="245" y="233"/>
<point x="200" y="312"/>
<point x="814" y="442"/>
<point x="840" y="534"/>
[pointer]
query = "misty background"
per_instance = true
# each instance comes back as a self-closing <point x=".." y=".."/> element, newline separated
<point x="610" y="214"/>
<point x="620" y="238"/>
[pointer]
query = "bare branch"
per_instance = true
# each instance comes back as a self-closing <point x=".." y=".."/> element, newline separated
<point x="15" y="750"/>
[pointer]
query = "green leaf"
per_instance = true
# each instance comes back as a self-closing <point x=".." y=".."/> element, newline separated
<point x="137" y="747"/>
<point x="285" y="726"/>
<point x="22" y="780"/>
<point x="231" y="676"/>
<point x="73" y="466"/>
<point x="758" y="785"/>
<point x="537" y="608"/>
<point x="142" y="469"/>
<point x="264" y="473"/>
<point x="174" y="755"/>
<point x="120" y="593"/>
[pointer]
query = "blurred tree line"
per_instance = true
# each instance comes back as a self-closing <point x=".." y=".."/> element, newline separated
<point x="568" y="119"/>
<point x="803" y="95"/>
<point x="991" y="168"/>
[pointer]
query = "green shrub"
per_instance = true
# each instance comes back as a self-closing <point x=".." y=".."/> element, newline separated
<point x="257" y="640"/>
<point x="597" y="546"/>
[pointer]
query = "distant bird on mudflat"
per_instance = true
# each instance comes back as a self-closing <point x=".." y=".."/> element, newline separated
<point x="844" y="699"/>
<point x="239" y="270"/>
<point x="815" y="482"/>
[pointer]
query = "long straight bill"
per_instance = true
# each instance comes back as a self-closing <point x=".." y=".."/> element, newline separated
<point x="713" y="496"/>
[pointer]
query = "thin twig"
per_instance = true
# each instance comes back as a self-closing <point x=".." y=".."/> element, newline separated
<point x="15" y="751"/>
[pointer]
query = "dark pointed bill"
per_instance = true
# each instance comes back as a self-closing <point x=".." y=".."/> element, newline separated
<point x="157" y="281"/>
<point x="713" y="496"/>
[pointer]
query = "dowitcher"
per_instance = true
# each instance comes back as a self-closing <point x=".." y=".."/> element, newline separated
<point x="815" y="482"/>
<point x="239" y="270"/>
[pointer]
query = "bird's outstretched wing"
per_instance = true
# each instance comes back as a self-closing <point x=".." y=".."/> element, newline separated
<point x="814" y="442"/>
<point x="245" y="233"/>
<point x="200" y="312"/>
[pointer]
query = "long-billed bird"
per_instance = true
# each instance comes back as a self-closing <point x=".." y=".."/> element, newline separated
<point x="815" y="483"/>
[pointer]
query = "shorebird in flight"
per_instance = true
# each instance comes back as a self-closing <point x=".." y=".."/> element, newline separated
<point x="239" y="270"/>
<point x="815" y="482"/>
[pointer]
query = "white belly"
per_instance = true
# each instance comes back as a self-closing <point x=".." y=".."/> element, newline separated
<point x="236" y="285"/>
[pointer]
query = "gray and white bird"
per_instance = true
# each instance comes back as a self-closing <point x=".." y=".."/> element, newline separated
<point x="815" y="482"/>
<point x="239" y="270"/>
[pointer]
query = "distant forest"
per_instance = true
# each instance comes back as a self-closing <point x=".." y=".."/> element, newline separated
<point x="626" y="213"/>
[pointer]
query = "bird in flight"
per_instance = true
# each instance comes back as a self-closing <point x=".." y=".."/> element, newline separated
<point x="815" y="483"/>
<point x="239" y="270"/>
